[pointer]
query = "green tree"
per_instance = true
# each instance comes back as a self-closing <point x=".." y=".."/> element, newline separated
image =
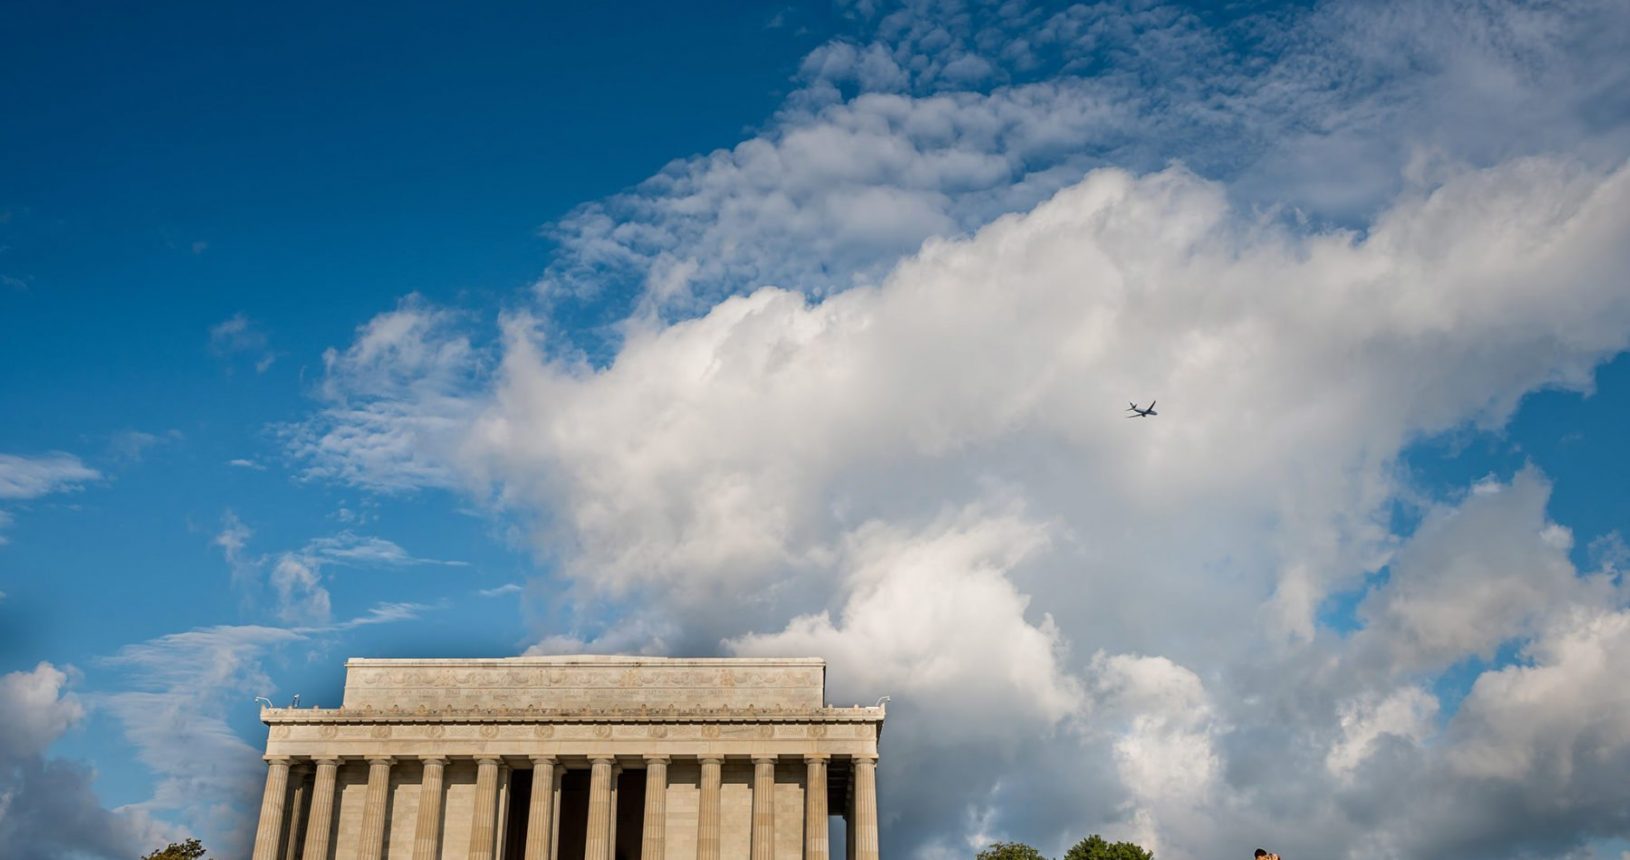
<point x="1095" y="847"/>
<point x="1009" y="851"/>
<point x="189" y="850"/>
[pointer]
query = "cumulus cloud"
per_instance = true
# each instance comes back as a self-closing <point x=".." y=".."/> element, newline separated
<point x="47" y="803"/>
<point x="931" y="614"/>
<point x="1473" y="578"/>
<point x="919" y="467"/>
<point x="775" y="474"/>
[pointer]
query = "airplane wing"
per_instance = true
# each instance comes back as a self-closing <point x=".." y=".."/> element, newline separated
<point x="1151" y="406"/>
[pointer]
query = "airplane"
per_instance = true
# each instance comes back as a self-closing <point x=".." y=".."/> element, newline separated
<point x="1142" y="413"/>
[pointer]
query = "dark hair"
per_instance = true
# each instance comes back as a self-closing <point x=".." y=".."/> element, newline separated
<point x="1260" y="853"/>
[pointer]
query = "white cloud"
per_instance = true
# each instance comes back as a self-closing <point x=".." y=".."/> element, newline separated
<point x="393" y="402"/>
<point x="930" y="615"/>
<point x="295" y="577"/>
<point x="366" y="551"/>
<point x="892" y="142"/>
<point x="233" y="540"/>
<point x="775" y="474"/>
<point x="301" y="598"/>
<point x="174" y="695"/>
<point x="1161" y="725"/>
<point x="31" y="477"/>
<point x="500" y="591"/>
<point x="236" y="336"/>
<point x="47" y="804"/>
<point x="1088" y="623"/>
<point x="1562" y="719"/>
<point x="132" y="445"/>
<point x="35" y="709"/>
<point x="1405" y="713"/>
<point x="1473" y="577"/>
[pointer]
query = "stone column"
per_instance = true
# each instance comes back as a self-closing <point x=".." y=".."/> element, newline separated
<point x="501" y="833"/>
<point x="539" y="826"/>
<point x="707" y="809"/>
<point x="763" y="807"/>
<point x="270" y="832"/>
<point x="654" y="841"/>
<point x="322" y="810"/>
<point x="484" y="825"/>
<point x="427" y="828"/>
<point x="297" y="810"/>
<point x="597" y="841"/>
<point x="373" y="809"/>
<point x="815" y="824"/>
<point x="865" y="807"/>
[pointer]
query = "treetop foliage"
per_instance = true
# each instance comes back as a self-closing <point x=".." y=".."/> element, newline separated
<point x="1093" y="847"/>
<point x="1009" y="851"/>
<point x="189" y="850"/>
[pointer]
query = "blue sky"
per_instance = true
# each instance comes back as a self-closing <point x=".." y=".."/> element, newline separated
<point x="690" y="329"/>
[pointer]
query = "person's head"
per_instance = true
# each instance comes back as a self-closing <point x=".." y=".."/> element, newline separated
<point x="1260" y="852"/>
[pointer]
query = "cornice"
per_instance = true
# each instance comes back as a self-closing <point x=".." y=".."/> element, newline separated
<point x="369" y="715"/>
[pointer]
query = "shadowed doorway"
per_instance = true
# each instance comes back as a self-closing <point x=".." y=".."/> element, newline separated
<point x="574" y="814"/>
<point x="520" y="800"/>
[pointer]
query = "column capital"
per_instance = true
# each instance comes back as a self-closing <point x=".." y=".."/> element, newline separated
<point x="485" y="758"/>
<point x="544" y="760"/>
<point x="715" y="759"/>
<point x="865" y="757"/>
<point x="761" y="758"/>
<point x="657" y="759"/>
<point x="820" y="757"/>
<point x="380" y="759"/>
<point x="603" y="757"/>
<point x="277" y="759"/>
<point x="433" y="759"/>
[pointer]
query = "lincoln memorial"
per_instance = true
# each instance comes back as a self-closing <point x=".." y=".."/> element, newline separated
<point x="601" y="758"/>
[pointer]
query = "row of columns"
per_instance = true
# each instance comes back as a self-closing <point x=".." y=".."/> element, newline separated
<point x="601" y="839"/>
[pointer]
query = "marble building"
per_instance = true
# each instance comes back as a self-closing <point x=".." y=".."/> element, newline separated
<point x="602" y="758"/>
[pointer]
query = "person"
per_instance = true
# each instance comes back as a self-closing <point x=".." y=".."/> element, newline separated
<point x="1262" y="854"/>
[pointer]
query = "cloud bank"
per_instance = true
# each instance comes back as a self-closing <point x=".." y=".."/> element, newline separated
<point x="863" y="399"/>
<point x="931" y="483"/>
